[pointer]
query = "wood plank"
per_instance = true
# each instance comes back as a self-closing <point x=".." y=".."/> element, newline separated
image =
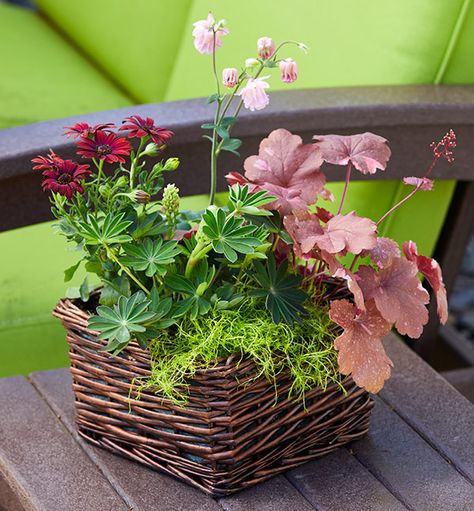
<point x="409" y="467"/>
<point x="276" y="494"/>
<point x="340" y="482"/>
<point x="142" y="488"/>
<point x="434" y="408"/>
<point x="462" y="380"/>
<point x="41" y="462"/>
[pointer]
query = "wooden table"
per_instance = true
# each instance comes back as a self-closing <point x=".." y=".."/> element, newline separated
<point x="419" y="455"/>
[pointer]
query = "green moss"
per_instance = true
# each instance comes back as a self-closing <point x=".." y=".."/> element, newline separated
<point x="306" y="350"/>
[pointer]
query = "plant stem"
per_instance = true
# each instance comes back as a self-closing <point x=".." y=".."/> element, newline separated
<point x="348" y="178"/>
<point x="410" y="195"/>
<point x="214" y="155"/>
<point x="114" y="258"/>
<point x="99" y="174"/>
<point x="133" y="168"/>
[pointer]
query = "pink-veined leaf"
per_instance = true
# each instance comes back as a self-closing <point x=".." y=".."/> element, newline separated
<point x="423" y="183"/>
<point x="303" y="227"/>
<point x="289" y="170"/>
<point x="348" y="232"/>
<point x="361" y="352"/>
<point x="398" y="295"/>
<point x="432" y="272"/>
<point x="384" y="251"/>
<point x="353" y="285"/>
<point x="366" y="151"/>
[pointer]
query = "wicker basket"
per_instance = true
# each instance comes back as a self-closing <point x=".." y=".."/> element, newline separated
<point x="232" y="434"/>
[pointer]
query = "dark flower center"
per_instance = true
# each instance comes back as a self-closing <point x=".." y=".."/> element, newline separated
<point x="103" y="149"/>
<point x="64" y="179"/>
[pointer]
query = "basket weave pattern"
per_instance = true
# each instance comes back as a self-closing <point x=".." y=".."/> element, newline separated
<point x="232" y="433"/>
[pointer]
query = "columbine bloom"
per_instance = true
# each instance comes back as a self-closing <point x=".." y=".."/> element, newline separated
<point x="140" y="127"/>
<point x="288" y="71"/>
<point x="254" y="95"/>
<point x="84" y="130"/>
<point x="230" y="75"/>
<point x="207" y="35"/>
<point x="104" y="146"/>
<point x="66" y="178"/>
<point x="265" y="47"/>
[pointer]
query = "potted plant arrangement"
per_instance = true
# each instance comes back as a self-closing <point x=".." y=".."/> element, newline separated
<point x="229" y="345"/>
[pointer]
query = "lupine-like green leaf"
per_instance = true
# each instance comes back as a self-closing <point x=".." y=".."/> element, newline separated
<point x="152" y="257"/>
<point x="241" y="201"/>
<point x="280" y="289"/>
<point x="128" y="317"/>
<point x="109" y="231"/>
<point x="228" y="235"/>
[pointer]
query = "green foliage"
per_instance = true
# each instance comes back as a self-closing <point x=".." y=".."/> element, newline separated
<point x="228" y="234"/>
<point x="305" y="350"/>
<point x="243" y="202"/>
<point x="108" y="232"/>
<point x="282" y="291"/>
<point x="153" y="257"/>
<point x="195" y="289"/>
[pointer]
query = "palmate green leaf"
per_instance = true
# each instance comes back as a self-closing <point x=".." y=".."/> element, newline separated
<point x="241" y="201"/>
<point x="228" y="235"/>
<point x="231" y="145"/>
<point x="109" y="231"/>
<point x="69" y="272"/>
<point x="195" y="290"/>
<point x="283" y="297"/>
<point x="118" y="323"/>
<point x="114" y="289"/>
<point x="149" y="226"/>
<point x="152" y="257"/>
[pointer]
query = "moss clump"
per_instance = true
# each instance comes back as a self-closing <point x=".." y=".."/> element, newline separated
<point x="306" y="350"/>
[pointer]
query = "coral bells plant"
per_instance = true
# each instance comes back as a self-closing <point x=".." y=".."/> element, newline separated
<point x="272" y="275"/>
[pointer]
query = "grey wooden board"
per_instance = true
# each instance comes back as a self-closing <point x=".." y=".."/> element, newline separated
<point x="410" y="467"/>
<point x="431" y="406"/>
<point x="277" y="494"/>
<point x="339" y="482"/>
<point x="39" y="456"/>
<point x="143" y="489"/>
<point x="462" y="380"/>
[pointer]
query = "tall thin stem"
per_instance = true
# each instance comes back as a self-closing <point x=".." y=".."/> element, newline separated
<point x="410" y="195"/>
<point x="348" y="178"/>
<point x="214" y="155"/>
<point x="114" y="258"/>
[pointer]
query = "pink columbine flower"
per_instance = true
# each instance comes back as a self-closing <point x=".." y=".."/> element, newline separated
<point x="265" y="47"/>
<point x="230" y="75"/>
<point x="288" y="71"/>
<point x="254" y="95"/>
<point x="203" y="33"/>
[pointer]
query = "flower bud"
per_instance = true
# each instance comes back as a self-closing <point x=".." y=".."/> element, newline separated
<point x="170" y="202"/>
<point x="288" y="71"/>
<point x="265" y="47"/>
<point x="251" y="63"/>
<point x="230" y="75"/>
<point x="151" y="149"/>
<point x="171" y="164"/>
<point x="141" y="197"/>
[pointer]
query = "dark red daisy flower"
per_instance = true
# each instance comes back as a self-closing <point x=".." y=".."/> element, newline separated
<point x="50" y="161"/>
<point x="140" y="127"/>
<point x="104" y="146"/>
<point x="65" y="178"/>
<point x="84" y="130"/>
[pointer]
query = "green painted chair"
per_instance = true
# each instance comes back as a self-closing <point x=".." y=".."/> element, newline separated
<point x="67" y="61"/>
